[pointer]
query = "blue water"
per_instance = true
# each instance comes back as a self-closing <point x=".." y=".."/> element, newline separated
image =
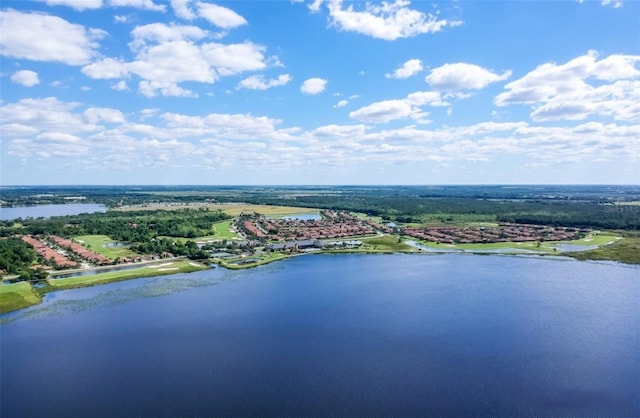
<point x="568" y="248"/>
<point x="303" y="217"/>
<point x="46" y="211"/>
<point x="343" y="335"/>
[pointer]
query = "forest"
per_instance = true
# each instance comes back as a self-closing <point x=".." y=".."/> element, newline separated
<point x="600" y="207"/>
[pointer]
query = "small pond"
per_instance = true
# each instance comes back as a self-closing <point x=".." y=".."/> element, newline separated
<point x="116" y="244"/>
<point x="303" y="217"/>
<point x="569" y="248"/>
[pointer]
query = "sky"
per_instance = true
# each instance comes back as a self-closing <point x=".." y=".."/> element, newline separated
<point x="319" y="92"/>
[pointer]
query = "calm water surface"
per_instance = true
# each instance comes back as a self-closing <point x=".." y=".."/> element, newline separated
<point x="303" y="217"/>
<point x="321" y="335"/>
<point x="46" y="211"/>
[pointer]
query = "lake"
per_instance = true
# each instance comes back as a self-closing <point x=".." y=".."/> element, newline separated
<point x="327" y="335"/>
<point x="47" y="211"/>
<point x="303" y="217"/>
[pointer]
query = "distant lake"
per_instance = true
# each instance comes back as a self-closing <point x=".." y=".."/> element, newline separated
<point x="335" y="335"/>
<point x="303" y="217"/>
<point x="47" y="211"/>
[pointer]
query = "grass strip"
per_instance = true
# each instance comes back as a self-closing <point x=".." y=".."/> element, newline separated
<point x="96" y="243"/>
<point x="624" y="250"/>
<point x="16" y="296"/>
<point x="182" y="266"/>
<point x="385" y="243"/>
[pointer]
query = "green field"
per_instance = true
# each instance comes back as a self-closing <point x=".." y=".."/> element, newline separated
<point x="601" y="239"/>
<point x="264" y="259"/>
<point x="223" y="230"/>
<point x="156" y="269"/>
<point x="454" y="219"/>
<point x="17" y="296"/>
<point x="625" y="250"/>
<point x="268" y="210"/>
<point x="96" y="243"/>
<point x="386" y="243"/>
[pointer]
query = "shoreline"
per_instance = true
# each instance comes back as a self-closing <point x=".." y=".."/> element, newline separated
<point x="30" y="295"/>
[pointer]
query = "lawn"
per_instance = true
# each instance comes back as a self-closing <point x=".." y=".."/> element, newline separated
<point x="268" y="210"/>
<point x="156" y="269"/>
<point x="223" y="230"/>
<point x="97" y="243"/>
<point x="17" y="296"/>
<point x="385" y="243"/>
<point x="626" y="250"/>
<point x="264" y="259"/>
<point x="545" y="246"/>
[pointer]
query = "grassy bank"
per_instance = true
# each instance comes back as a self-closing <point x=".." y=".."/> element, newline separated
<point x="181" y="266"/>
<point x="385" y="243"/>
<point x="264" y="259"/>
<point x="625" y="250"/>
<point x="17" y="296"/>
<point x="600" y="239"/>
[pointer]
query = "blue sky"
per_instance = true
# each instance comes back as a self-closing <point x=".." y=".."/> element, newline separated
<point x="322" y="92"/>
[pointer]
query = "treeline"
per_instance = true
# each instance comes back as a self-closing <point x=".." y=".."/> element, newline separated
<point x="164" y="245"/>
<point x="401" y="208"/>
<point x="134" y="226"/>
<point x="16" y="255"/>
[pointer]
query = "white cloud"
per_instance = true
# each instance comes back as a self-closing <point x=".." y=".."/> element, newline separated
<point x="26" y="78"/>
<point x="139" y="4"/>
<point x="406" y="70"/>
<point x="120" y="18"/>
<point x="341" y="103"/>
<point x="613" y="3"/>
<point x="49" y="38"/>
<point x="313" y="86"/>
<point x="409" y="107"/>
<point x="149" y="112"/>
<point x="81" y="5"/>
<point x="581" y="87"/>
<point x="461" y="76"/>
<point x="384" y="111"/>
<point x="50" y="128"/>
<point x="166" y="88"/>
<point x="182" y="9"/>
<point x="103" y="114"/>
<point x="314" y="6"/>
<point x="388" y="21"/>
<point x="169" y="54"/>
<point x="75" y="4"/>
<point x="234" y="58"/>
<point x="220" y="16"/>
<point x="48" y="114"/>
<point x="107" y="68"/>
<point x="158" y="33"/>
<point x="120" y="86"/>
<point x="257" y="82"/>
